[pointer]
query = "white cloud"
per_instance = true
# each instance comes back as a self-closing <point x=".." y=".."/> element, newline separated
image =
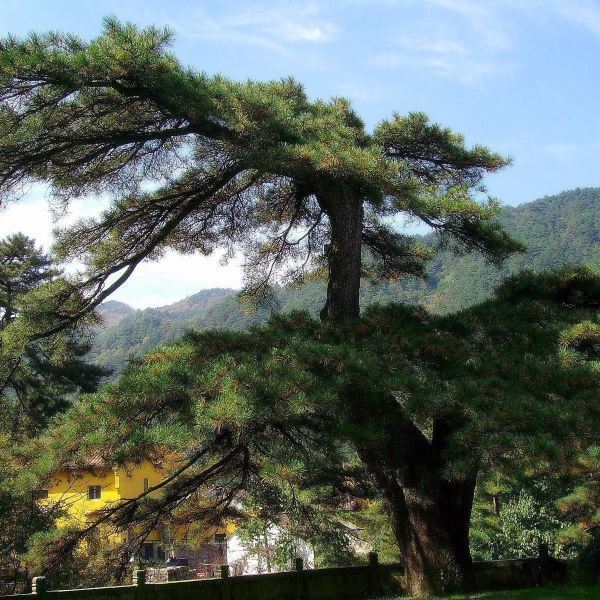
<point x="481" y="17"/>
<point x="468" y="71"/>
<point x="460" y="56"/>
<point x="583" y="13"/>
<point x="28" y="216"/>
<point x="176" y="276"/>
<point x="292" y="24"/>
<point x="362" y="92"/>
<point x="491" y="18"/>
<point x="439" y="46"/>
<point x="569" y="151"/>
<point x="153" y="284"/>
<point x="461" y="40"/>
<point x="580" y="12"/>
<point x="470" y="41"/>
<point x="33" y="215"/>
<point x="274" y="27"/>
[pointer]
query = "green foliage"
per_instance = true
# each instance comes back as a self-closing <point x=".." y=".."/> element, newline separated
<point x="275" y="548"/>
<point x="126" y="333"/>
<point x="583" y="338"/>
<point x="582" y="505"/>
<point x="38" y="378"/>
<point x="193" y="163"/>
<point x="251" y="167"/>
<point x="22" y="268"/>
<point x="560" y="230"/>
<point x="372" y="530"/>
<point x="269" y="407"/>
<point x="511" y="520"/>
<point x="21" y="517"/>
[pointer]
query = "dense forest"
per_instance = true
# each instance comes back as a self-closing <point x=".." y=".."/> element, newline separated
<point x="557" y="230"/>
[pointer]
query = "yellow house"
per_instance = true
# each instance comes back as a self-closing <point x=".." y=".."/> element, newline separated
<point x="84" y="490"/>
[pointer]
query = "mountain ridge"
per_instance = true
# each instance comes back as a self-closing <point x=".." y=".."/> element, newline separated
<point x="558" y="230"/>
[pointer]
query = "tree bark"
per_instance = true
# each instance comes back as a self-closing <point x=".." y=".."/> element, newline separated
<point x="429" y="513"/>
<point x="434" y="544"/>
<point x="345" y="213"/>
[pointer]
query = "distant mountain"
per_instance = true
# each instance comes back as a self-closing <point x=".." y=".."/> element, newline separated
<point x="197" y="304"/>
<point x="127" y="332"/>
<point x="113" y="312"/>
<point x="558" y="230"/>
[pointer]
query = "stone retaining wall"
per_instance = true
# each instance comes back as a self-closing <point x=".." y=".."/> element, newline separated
<point x="314" y="584"/>
<point x="164" y="575"/>
<point x="520" y="573"/>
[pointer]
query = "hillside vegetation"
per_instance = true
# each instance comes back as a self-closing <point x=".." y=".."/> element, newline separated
<point x="558" y="230"/>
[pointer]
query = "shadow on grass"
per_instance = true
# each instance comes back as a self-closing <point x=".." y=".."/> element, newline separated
<point x="556" y="593"/>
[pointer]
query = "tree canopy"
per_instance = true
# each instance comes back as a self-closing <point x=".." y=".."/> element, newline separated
<point x="35" y="377"/>
<point x="197" y="162"/>
<point x="558" y="230"/>
<point x="37" y="380"/>
<point x="511" y="381"/>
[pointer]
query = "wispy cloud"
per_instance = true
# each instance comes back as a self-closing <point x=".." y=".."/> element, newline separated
<point x="361" y="92"/>
<point x="467" y="47"/>
<point x="471" y="41"/>
<point x="435" y="46"/>
<point x="569" y="151"/>
<point x="275" y="27"/>
<point x="580" y="12"/>
<point x="468" y="71"/>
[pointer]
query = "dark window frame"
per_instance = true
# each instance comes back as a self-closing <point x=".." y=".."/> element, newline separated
<point x="94" y="492"/>
<point x="148" y="552"/>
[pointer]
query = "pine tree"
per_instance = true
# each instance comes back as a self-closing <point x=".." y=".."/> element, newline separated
<point x="258" y="167"/>
<point x="296" y="185"/>
<point x="35" y="377"/>
<point x="37" y="380"/>
<point x="273" y="415"/>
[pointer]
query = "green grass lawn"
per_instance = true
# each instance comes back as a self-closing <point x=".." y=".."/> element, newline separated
<point x="557" y="593"/>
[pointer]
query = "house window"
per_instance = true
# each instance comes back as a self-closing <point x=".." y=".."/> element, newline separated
<point x="148" y="551"/>
<point x="94" y="492"/>
<point x="41" y="494"/>
<point x="145" y="484"/>
<point x="220" y="538"/>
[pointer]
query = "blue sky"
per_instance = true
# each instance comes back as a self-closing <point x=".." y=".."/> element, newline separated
<point x="521" y="76"/>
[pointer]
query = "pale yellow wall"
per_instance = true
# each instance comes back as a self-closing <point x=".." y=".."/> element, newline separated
<point x="130" y="482"/>
<point x="70" y="489"/>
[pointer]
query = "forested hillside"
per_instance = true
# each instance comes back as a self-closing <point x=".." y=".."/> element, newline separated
<point x="558" y="230"/>
<point x="128" y="332"/>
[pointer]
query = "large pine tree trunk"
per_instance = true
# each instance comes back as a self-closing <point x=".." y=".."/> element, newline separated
<point x="434" y="544"/>
<point x="429" y="513"/>
<point x="345" y="213"/>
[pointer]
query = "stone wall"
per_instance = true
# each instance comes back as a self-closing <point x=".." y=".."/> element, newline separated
<point x="164" y="575"/>
<point x="521" y="573"/>
<point x="312" y="584"/>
